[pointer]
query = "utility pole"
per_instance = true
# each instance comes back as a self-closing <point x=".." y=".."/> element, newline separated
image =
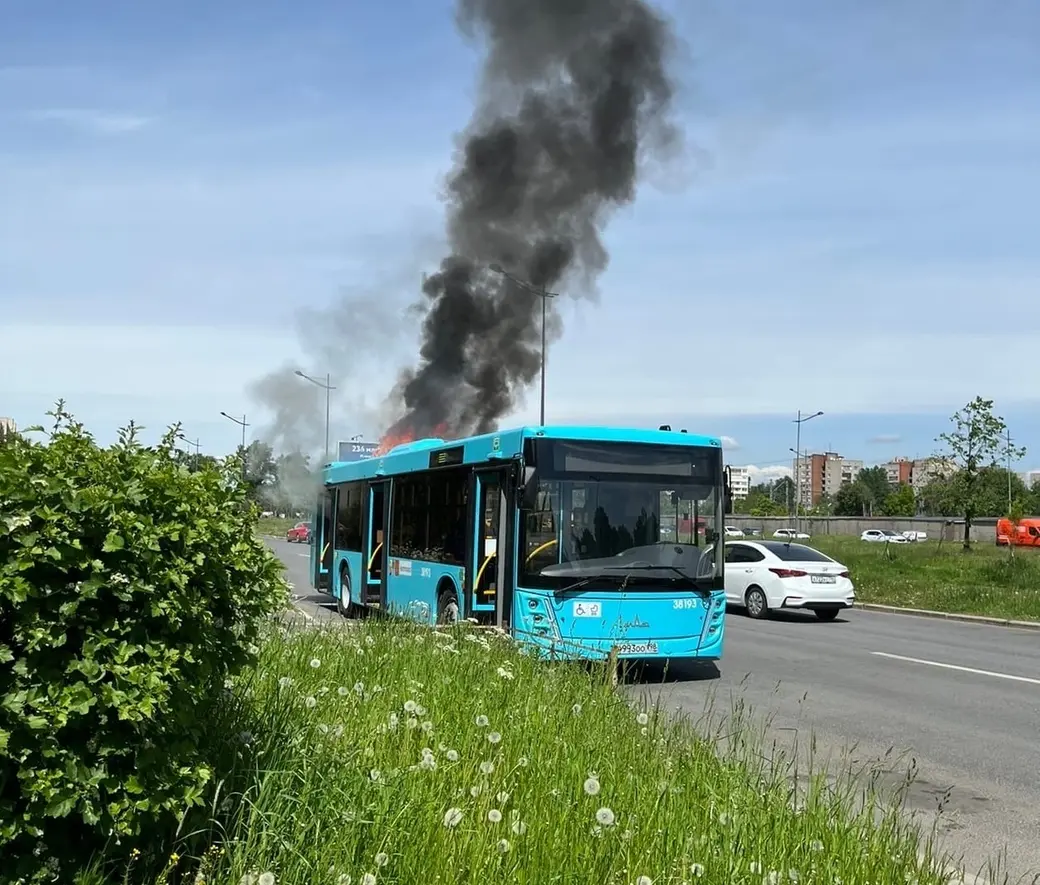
<point x="241" y="423"/>
<point x="1009" y="467"/>
<point x="325" y="385"/>
<point x="798" y="464"/>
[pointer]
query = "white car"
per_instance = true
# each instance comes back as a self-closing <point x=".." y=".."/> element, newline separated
<point x="765" y="576"/>
<point x="791" y="534"/>
<point x="882" y="536"/>
<point x="731" y="531"/>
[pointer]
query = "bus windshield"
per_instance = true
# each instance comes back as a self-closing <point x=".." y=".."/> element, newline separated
<point x="622" y="515"/>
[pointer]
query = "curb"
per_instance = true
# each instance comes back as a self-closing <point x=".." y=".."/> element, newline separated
<point x="981" y="620"/>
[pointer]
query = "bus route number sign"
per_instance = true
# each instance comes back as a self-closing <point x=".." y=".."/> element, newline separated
<point x="587" y="609"/>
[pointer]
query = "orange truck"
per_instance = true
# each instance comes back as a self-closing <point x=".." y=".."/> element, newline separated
<point x="1025" y="534"/>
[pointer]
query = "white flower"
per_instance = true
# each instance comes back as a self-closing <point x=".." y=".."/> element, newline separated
<point x="452" y="817"/>
<point x="642" y="719"/>
<point x="522" y="762"/>
<point x="375" y="775"/>
<point x="452" y="755"/>
<point x="409" y="707"/>
<point x="266" y="879"/>
<point x="482" y="721"/>
<point x="697" y="870"/>
<point x="368" y="879"/>
<point x="248" y="879"/>
<point x="420" y="711"/>
<point x="487" y="767"/>
<point x="503" y="846"/>
<point x="519" y="827"/>
<point x="382" y="859"/>
<point x="359" y="688"/>
<point x="474" y="791"/>
<point x="644" y="880"/>
<point x="605" y="817"/>
<point x="315" y="663"/>
<point x="816" y="845"/>
<point x="494" y="737"/>
<point x="310" y="702"/>
<point x="343" y="879"/>
<point x="412" y="722"/>
<point x="427" y="726"/>
<point x="502" y="798"/>
<point x="285" y="682"/>
<point x="504" y="673"/>
<point x="342" y="691"/>
<point x="576" y="709"/>
<point x="591" y="786"/>
<point x="494" y="816"/>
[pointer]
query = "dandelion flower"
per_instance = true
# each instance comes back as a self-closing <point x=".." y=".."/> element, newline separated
<point x="591" y="786"/>
<point x="315" y="663"/>
<point x="285" y="682"/>
<point x="409" y="707"/>
<point x="248" y="879"/>
<point x="502" y="798"/>
<point x="359" y="688"/>
<point x="504" y="673"/>
<point x="382" y="859"/>
<point x="474" y="791"/>
<point x="343" y="879"/>
<point x="644" y="880"/>
<point x="427" y="726"/>
<point x="816" y="845"/>
<point x="482" y="721"/>
<point x="392" y="719"/>
<point x="494" y="816"/>
<point x="412" y="723"/>
<point x="642" y="719"/>
<point x="452" y="817"/>
<point x="375" y="775"/>
<point x="452" y="755"/>
<point x="266" y="879"/>
<point x="576" y="709"/>
<point x="519" y="827"/>
<point x="605" y="817"/>
<point x="368" y="879"/>
<point x="494" y="737"/>
<point x="310" y="702"/>
<point x="420" y="711"/>
<point x="487" y="767"/>
<point x="342" y="691"/>
<point x="503" y="846"/>
<point x="522" y="762"/>
<point x="697" y="870"/>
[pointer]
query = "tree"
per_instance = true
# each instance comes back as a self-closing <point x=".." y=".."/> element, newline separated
<point x="850" y="500"/>
<point x="874" y="488"/>
<point x="901" y="501"/>
<point x="974" y="444"/>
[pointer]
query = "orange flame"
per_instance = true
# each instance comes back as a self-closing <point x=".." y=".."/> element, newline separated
<point x="399" y="435"/>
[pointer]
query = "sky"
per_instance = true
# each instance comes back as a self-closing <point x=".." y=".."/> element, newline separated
<point x="188" y="189"/>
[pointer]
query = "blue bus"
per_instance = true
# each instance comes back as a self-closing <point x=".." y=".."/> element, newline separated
<point x="579" y="541"/>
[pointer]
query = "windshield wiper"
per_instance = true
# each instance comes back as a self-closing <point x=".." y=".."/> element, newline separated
<point x="664" y="568"/>
<point x="585" y="581"/>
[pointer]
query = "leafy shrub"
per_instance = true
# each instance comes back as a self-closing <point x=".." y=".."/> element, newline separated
<point x="130" y="589"/>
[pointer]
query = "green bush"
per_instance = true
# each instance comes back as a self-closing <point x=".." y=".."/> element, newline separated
<point x="130" y="589"/>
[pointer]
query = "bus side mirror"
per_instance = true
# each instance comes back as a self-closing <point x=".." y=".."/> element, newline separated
<point x="727" y="491"/>
<point x="528" y="490"/>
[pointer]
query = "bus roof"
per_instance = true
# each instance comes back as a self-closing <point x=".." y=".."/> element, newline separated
<point x="500" y="445"/>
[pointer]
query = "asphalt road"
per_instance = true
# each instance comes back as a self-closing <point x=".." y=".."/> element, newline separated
<point x="962" y="700"/>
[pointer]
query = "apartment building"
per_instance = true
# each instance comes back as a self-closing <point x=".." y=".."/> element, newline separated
<point x="740" y="482"/>
<point x="899" y="471"/>
<point x="7" y="425"/>
<point x="917" y="472"/>
<point x="822" y="474"/>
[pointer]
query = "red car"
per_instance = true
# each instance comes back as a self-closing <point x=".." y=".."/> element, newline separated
<point x="299" y="533"/>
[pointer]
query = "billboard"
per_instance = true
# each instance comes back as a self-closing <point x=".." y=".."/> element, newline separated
<point x="352" y="450"/>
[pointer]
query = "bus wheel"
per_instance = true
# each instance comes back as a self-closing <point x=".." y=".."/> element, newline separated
<point x="447" y="606"/>
<point x="344" y="606"/>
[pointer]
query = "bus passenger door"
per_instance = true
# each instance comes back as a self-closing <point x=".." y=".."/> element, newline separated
<point x="321" y="541"/>
<point x="376" y="518"/>
<point x="485" y="569"/>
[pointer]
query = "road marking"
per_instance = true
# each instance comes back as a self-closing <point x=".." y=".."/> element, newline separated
<point x="1030" y="680"/>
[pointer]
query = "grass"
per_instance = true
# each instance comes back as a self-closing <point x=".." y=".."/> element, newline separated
<point x="984" y="581"/>
<point x="388" y="753"/>
<point x="274" y="525"/>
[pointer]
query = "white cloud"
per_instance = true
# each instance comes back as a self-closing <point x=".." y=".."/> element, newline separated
<point x="771" y="473"/>
<point x="729" y="444"/>
<point x="98" y="122"/>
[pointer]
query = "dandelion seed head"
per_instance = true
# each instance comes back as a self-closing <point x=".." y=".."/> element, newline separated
<point x="816" y="845"/>
<point x="265" y="879"/>
<point x="482" y="721"/>
<point x="315" y="663"/>
<point x="503" y="846"/>
<point x="310" y="702"/>
<point x="522" y="762"/>
<point x="420" y="711"/>
<point x="644" y="880"/>
<point x="359" y="688"/>
<point x="452" y="755"/>
<point x="576" y="709"/>
<point x="284" y="682"/>
<point x="487" y="767"/>
<point x="452" y="817"/>
<point x="427" y="726"/>
<point x="642" y="719"/>
<point x="591" y="786"/>
<point x="494" y="737"/>
<point x="375" y="775"/>
<point x="697" y="870"/>
<point x="519" y="827"/>
<point x="474" y="791"/>
<point x="494" y="816"/>
<point x="248" y="879"/>
<point x="502" y="798"/>
<point x="410" y="706"/>
<point x="342" y="691"/>
<point x="382" y="859"/>
<point x="368" y="879"/>
<point x="605" y="817"/>
<point x="755" y="868"/>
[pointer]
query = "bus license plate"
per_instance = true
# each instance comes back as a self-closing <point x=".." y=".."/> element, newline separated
<point x="823" y="579"/>
<point x="587" y="609"/>
<point x="636" y="648"/>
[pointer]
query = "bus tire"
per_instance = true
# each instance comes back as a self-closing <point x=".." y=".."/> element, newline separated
<point x="345" y="607"/>
<point x="755" y="602"/>
<point x="447" y="604"/>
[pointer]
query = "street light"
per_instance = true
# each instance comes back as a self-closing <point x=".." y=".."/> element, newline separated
<point x="799" y="421"/>
<point x="241" y="423"/>
<point x="326" y="385"/>
<point x="545" y="295"/>
<point x="194" y="443"/>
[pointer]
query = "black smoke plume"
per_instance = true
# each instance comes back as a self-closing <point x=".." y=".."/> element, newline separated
<point x="573" y="94"/>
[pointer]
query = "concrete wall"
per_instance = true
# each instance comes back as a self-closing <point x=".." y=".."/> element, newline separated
<point x="983" y="530"/>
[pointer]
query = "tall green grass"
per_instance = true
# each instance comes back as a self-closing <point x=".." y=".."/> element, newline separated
<point x="987" y="580"/>
<point x="389" y="753"/>
<point x="274" y="525"/>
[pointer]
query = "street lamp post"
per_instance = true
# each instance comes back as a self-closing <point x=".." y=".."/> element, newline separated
<point x="195" y="442"/>
<point x="326" y="385"/>
<point x="799" y="421"/>
<point x="241" y="422"/>
<point x="545" y="295"/>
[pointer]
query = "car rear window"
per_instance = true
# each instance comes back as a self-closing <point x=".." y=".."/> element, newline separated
<point x="794" y="552"/>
